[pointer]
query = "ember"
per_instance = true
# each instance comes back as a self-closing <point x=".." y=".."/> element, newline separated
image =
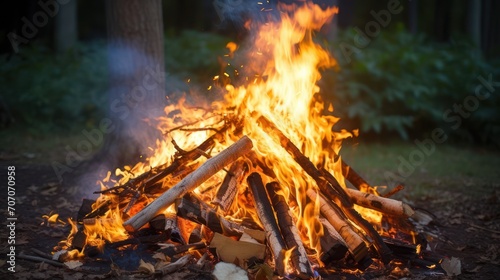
<point x="259" y="171"/>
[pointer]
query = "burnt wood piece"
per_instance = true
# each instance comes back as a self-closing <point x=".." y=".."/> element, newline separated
<point x="174" y="266"/>
<point x="290" y="232"/>
<point x="175" y="250"/>
<point x="329" y="186"/>
<point x="99" y="211"/>
<point x="189" y="183"/>
<point x="332" y="213"/>
<point x="385" y="205"/>
<point x="266" y="216"/>
<point x="356" y="180"/>
<point x="332" y="245"/>
<point x="192" y="208"/>
<point x="395" y="190"/>
<point x="229" y="187"/>
<point x="181" y="159"/>
<point x="146" y="239"/>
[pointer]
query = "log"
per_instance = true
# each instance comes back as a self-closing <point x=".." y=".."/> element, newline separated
<point x="332" y="245"/>
<point x="290" y="232"/>
<point x="266" y="216"/>
<point x="330" y="187"/>
<point x="356" y="180"/>
<point x="192" y="208"/>
<point x="229" y="187"/>
<point x="151" y="177"/>
<point x="385" y="205"/>
<point x="190" y="182"/>
<point x="353" y="241"/>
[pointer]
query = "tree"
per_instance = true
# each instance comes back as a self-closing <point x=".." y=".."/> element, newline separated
<point x="65" y="26"/>
<point x="136" y="79"/>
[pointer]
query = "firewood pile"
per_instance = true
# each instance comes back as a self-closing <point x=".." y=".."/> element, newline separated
<point x="185" y="227"/>
<point x="263" y="190"/>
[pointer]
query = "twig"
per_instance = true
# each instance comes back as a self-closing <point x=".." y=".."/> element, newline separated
<point x="40" y="259"/>
<point x="486" y="229"/>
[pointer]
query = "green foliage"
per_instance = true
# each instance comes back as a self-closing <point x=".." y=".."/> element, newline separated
<point x="47" y="91"/>
<point x="194" y="53"/>
<point x="403" y="83"/>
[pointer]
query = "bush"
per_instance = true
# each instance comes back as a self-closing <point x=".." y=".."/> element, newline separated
<point x="47" y="91"/>
<point x="404" y="83"/>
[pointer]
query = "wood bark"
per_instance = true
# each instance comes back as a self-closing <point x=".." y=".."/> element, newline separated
<point x="332" y="245"/>
<point x="290" y="232"/>
<point x="330" y="187"/>
<point x="191" y="208"/>
<point x="207" y="170"/>
<point x="229" y="187"/>
<point x="385" y="205"/>
<point x="266" y="216"/>
<point x="354" y="242"/>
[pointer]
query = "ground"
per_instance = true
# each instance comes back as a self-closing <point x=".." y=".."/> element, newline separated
<point x="460" y="186"/>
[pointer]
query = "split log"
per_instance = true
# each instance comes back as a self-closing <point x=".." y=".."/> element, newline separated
<point x="332" y="245"/>
<point x="266" y="216"/>
<point x="381" y="204"/>
<point x="290" y="232"/>
<point x="192" y="208"/>
<point x="330" y="187"/>
<point x="354" y="242"/>
<point x="229" y="187"/>
<point x="207" y="170"/>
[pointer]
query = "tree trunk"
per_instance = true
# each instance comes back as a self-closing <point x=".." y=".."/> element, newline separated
<point x="474" y="21"/>
<point x="136" y="76"/>
<point x="66" y="27"/>
<point x="413" y="17"/>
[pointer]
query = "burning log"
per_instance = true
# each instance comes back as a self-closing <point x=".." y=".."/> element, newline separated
<point x="193" y="209"/>
<point x="330" y="187"/>
<point x="266" y="216"/>
<point x="290" y="232"/>
<point x="153" y="176"/>
<point x="332" y="244"/>
<point x="381" y="204"/>
<point x="207" y="170"/>
<point x="147" y="239"/>
<point x="229" y="187"/>
<point x="354" y="242"/>
<point x="357" y="181"/>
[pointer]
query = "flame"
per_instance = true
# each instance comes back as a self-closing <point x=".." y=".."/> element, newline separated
<point x="285" y="66"/>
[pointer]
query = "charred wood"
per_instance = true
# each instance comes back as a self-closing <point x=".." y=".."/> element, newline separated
<point x="203" y="173"/>
<point x="266" y="215"/>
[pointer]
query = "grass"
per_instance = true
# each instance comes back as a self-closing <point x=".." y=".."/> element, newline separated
<point x="469" y="170"/>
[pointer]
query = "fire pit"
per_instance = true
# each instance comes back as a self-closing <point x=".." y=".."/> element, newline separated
<point x="255" y="180"/>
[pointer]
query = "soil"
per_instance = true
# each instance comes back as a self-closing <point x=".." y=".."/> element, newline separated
<point x="464" y="227"/>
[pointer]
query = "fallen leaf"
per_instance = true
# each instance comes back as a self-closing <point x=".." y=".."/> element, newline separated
<point x="452" y="266"/>
<point x="73" y="264"/>
<point x="146" y="267"/>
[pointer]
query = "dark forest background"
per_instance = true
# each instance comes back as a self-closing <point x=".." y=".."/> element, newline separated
<point x="403" y="83"/>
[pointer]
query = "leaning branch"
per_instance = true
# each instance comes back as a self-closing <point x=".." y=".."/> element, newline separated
<point x="190" y="182"/>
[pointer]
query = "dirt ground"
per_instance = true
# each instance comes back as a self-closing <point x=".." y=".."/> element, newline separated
<point x="468" y="228"/>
